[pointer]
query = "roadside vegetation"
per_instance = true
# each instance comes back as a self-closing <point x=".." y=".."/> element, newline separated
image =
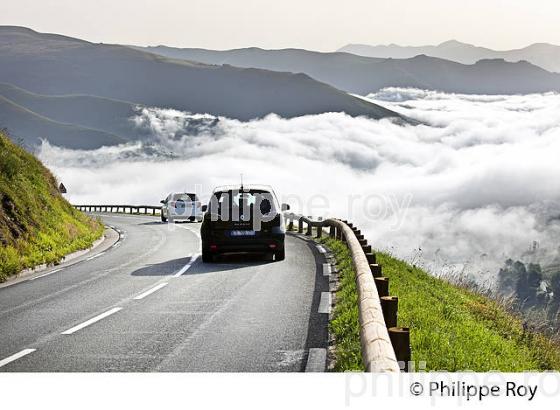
<point x="453" y="327"/>
<point x="37" y="225"/>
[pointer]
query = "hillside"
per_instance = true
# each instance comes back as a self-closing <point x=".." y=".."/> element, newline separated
<point x="364" y="75"/>
<point x="57" y="65"/>
<point x="101" y="114"/>
<point x="452" y="328"/>
<point x="544" y="55"/>
<point x="29" y="127"/>
<point x="37" y="225"/>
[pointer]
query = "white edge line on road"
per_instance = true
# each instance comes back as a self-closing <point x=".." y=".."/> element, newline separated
<point x="46" y="274"/>
<point x="16" y="356"/>
<point x="326" y="269"/>
<point x="325" y="303"/>
<point x="95" y="256"/>
<point x="149" y="292"/>
<point x="321" y="249"/>
<point x="316" y="360"/>
<point x="91" y="321"/>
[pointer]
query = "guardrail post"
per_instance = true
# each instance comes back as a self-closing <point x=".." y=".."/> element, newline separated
<point x="375" y="270"/>
<point x="390" y="306"/>
<point x="371" y="258"/>
<point x="300" y="225"/>
<point x="320" y="231"/>
<point x="154" y="211"/>
<point x="366" y="249"/>
<point x="382" y="285"/>
<point x="291" y="223"/>
<point x="332" y="231"/>
<point x="309" y="229"/>
<point x="400" y="339"/>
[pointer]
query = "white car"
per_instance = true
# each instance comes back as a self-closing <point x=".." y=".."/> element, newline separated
<point x="181" y="206"/>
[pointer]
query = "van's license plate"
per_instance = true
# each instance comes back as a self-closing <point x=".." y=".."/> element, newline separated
<point x="242" y="233"/>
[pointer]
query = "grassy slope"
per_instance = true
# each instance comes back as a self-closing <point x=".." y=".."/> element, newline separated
<point x="37" y="225"/>
<point x="452" y="328"/>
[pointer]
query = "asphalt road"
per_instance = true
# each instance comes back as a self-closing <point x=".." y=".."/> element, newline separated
<point x="147" y="303"/>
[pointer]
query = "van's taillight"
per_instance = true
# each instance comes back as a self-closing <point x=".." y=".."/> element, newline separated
<point x="213" y="247"/>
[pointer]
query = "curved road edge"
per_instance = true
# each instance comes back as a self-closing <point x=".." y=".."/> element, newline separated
<point x="111" y="236"/>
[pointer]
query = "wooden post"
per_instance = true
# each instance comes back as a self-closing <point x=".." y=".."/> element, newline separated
<point x="309" y="229"/>
<point x="371" y="258"/>
<point x="382" y="285"/>
<point x="390" y="306"/>
<point x="366" y="248"/>
<point x="332" y="231"/>
<point x="300" y="225"/>
<point x="320" y="231"/>
<point x="376" y="270"/>
<point x="400" y="339"/>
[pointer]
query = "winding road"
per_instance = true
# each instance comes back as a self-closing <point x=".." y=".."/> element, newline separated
<point x="143" y="301"/>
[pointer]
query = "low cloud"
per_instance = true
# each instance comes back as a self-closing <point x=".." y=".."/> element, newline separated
<point x="478" y="184"/>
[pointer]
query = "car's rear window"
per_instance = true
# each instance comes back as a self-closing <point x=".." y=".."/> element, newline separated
<point x="184" y="197"/>
<point x="227" y="200"/>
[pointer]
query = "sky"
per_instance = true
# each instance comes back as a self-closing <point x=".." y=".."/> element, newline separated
<point x="323" y="25"/>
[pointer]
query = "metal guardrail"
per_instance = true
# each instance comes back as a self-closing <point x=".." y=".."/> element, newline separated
<point x="148" y="209"/>
<point x="385" y="347"/>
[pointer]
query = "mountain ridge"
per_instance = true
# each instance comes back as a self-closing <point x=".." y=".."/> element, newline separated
<point x="544" y="55"/>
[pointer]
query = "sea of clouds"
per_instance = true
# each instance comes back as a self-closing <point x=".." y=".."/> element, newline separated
<point x="478" y="182"/>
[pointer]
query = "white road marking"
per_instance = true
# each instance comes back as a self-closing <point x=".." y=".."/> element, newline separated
<point x="325" y="302"/>
<point x="326" y="269"/>
<point x="16" y="356"/>
<point x="197" y="233"/>
<point x="91" y="321"/>
<point x="95" y="256"/>
<point x="46" y="274"/>
<point x="149" y="292"/>
<point x="185" y="268"/>
<point x="321" y="249"/>
<point x="316" y="360"/>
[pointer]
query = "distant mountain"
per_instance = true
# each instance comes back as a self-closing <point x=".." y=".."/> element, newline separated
<point x="544" y="55"/>
<point x="57" y="65"/>
<point x="363" y="75"/>
<point x="23" y="124"/>
<point x="103" y="114"/>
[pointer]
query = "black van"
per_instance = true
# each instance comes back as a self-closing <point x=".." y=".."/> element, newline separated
<point x="243" y="219"/>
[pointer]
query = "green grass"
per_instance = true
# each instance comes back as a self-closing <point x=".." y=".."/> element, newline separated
<point x="345" y="324"/>
<point x="37" y="225"/>
<point x="452" y="327"/>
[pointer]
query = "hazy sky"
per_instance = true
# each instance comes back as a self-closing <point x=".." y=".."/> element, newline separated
<point x="313" y="24"/>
